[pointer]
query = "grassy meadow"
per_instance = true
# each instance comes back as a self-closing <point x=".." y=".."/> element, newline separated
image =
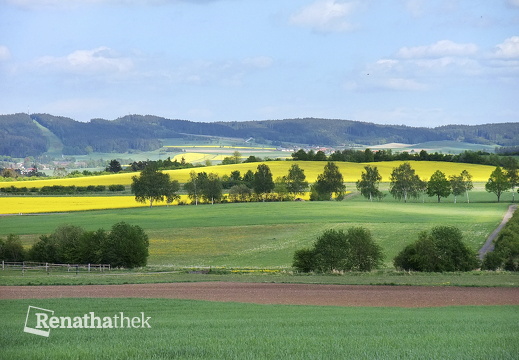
<point x="265" y="235"/>
<point x="184" y="329"/>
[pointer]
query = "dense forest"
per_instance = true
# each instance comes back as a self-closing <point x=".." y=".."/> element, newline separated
<point x="21" y="134"/>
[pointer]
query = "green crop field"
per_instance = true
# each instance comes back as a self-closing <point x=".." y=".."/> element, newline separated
<point x="265" y="235"/>
<point x="183" y="329"/>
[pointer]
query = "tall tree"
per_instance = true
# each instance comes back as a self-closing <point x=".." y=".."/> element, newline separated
<point x="369" y="182"/>
<point x="467" y="183"/>
<point x="263" y="183"/>
<point x="153" y="185"/>
<point x="114" y="166"/>
<point x="457" y="187"/>
<point x="404" y="182"/>
<point x="512" y="174"/>
<point x="498" y="182"/>
<point x="460" y="184"/>
<point x="330" y="182"/>
<point x="296" y="180"/>
<point x="211" y="188"/>
<point x="236" y="157"/>
<point x="193" y="186"/>
<point x="438" y="185"/>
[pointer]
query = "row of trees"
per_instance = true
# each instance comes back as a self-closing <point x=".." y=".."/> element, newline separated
<point x="439" y="250"/>
<point x="155" y="186"/>
<point x="124" y="245"/>
<point x="62" y="190"/>
<point x="367" y="155"/>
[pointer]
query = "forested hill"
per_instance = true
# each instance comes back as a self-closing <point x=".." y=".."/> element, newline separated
<point x="22" y="135"/>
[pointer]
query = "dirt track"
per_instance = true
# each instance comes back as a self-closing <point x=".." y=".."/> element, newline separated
<point x="297" y="294"/>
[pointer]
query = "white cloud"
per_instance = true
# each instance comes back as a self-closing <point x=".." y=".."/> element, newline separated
<point x="325" y="15"/>
<point x="513" y="3"/>
<point x="508" y="49"/>
<point x="5" y="54"/>
<point x="439" y="49"/>
<point x="261" y="62"/>
<point x="415" y="7"/>
<point x="101" y="60"/>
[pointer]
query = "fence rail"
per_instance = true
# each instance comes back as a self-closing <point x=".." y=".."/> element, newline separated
<point x="48" y="267"/>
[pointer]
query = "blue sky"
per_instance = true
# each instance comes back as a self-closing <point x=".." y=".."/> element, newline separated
<point x="412" y="62"/>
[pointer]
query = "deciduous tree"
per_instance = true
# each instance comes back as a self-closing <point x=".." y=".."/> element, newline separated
<point x="263" y="183"/>
<point x="330" y="182"/>
<point x="438" y="185"/>
<point x="153" y="185"/>
<point x="296" y="180"/>
<point x="369" y="182"/>
<point x="498" y="182"/>
<point x="404" y="182"/>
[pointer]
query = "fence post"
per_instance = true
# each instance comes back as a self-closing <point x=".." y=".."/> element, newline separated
<point x="3" y="268"/>
<point x="88" y="267"/>
<point x="47" y="267"/>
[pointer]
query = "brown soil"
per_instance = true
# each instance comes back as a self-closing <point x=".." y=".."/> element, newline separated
<point x="296" y="294"/>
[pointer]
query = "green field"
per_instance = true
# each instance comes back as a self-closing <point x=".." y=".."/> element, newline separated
<point x="183" y="329"/>
<point x="265" y="235"/>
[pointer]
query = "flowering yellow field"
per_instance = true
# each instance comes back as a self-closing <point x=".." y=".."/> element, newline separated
<point x="192" y="157"/>
<point x="37" y="204"/>
<point x="350" y="171"/>
<point x="219" y="147"/>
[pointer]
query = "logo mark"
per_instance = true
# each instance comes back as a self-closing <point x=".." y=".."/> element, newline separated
<point x="36" y="313"/>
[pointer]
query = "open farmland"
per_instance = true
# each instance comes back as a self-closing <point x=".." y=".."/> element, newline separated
<point x="186" y="329"/>
<point x="350" y="171"/>
<point x="265" y="235"/>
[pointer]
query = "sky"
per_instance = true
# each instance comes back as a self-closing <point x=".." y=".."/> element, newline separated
<point x="405" y="62"/>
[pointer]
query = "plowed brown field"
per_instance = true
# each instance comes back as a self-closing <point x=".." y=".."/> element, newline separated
<point x="295" y="294"/>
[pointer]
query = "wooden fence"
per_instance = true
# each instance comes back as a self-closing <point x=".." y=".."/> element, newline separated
<point x="48" y="267"/>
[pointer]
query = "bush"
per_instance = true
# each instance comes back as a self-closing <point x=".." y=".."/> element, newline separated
<point x="125" y="246"/>
<point x="506" y="249"/>
<point x="335" y="250"/>
<point x="440" y="250"/>
<point x="116" y="187"/>
<point x="12" y="249"/>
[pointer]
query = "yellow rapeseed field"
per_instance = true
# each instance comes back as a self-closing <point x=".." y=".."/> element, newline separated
<point x="47" y="204"/>
<point x="219" y="147"/>
<point x="350" y="171"/>
<point x="192" y="157"/>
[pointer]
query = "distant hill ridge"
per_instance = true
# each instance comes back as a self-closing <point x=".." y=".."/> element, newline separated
<point x="22" y="135"/>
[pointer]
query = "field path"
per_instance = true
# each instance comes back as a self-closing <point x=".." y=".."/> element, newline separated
<point x="489" y="244"/>
<point x="288" y="294"/>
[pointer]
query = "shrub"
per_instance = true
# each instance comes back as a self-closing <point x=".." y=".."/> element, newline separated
<point x="339" y="251"/>
<point x="12" y="249"/>
<point x="116" y="187"/>
<point x="506" y="249"/>
<point x="125" y="246"/>
<point x="439" y="250"/>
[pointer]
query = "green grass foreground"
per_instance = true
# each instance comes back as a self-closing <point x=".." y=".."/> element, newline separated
<point x="185" y="329"/>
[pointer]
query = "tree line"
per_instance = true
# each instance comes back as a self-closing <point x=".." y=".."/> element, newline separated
<point x="154" y="186"/>
<point x="61" y="189"/>
<point x="367" y="156"/>
<point x="124" y="245"/>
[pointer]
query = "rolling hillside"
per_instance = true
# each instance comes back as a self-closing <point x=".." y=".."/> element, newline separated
<point x="22" y="135"/>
